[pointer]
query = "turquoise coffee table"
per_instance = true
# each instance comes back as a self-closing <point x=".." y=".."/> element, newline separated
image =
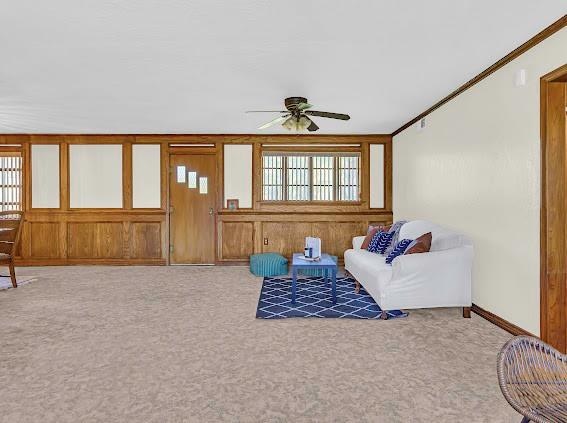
<point x="327" y="264"/>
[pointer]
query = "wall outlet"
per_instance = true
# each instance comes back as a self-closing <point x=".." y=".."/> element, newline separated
<point x="265" y="241"/>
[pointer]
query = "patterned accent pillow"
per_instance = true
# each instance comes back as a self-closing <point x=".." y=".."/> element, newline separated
<point x="398" y="250"/>
<point x="380" y="227"/>
<point x="385" y="241"/>
<point x="369" y="236"/>
<point x="421" y="244"/>
<point x="380" y="241"/>
<point x="373" y="244"/>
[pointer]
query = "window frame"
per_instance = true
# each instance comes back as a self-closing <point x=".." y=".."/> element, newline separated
<point x="284" y="153"/>
<point x="10" y="152"/>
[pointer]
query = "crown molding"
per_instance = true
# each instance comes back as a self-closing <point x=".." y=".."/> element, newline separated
<point x="532" y="42"/>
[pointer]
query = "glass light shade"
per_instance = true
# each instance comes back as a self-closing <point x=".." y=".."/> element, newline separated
<point x="289" y="124"/>
<point x="303" y="123"/>
<point x="300" y="124"/>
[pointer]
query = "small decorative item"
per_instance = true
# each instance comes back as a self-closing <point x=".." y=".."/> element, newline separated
<point x="232" y="204"/>
<point x="312" y="248"/>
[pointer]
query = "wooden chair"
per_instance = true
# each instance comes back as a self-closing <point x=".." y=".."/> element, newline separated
<point x="533" y="379"/>
<point x="10" y="230"/>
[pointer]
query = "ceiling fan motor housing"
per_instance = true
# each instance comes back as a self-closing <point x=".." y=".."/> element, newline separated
<point x="291" y="103"/>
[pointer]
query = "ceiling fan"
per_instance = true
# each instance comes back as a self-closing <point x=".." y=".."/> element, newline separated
<point x="298" y="115"/>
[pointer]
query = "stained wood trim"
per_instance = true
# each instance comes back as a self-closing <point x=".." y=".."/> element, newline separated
<point x="127" y="175"/>
<point x="556" y="305"/>
<point x="82" y="261"/>
<point x="499" y="321"/>
<point x="192" y="138"/>
<point x="304" y="217"/>
<point x="26" y="177"/>
<point x="532" y="42"/>
<point x="12" y="150"/>
<point x="388" y="176"/>
<point x="65" y="198"/>
<point x="313" y="149"/>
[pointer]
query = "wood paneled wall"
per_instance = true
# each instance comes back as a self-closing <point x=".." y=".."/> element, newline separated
<point x="141" y="236"/>
<point x="242" y="235"/>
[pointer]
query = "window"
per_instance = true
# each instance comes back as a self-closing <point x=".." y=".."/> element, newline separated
<point x="310" y="176"/>
<point x="10" y="182"/>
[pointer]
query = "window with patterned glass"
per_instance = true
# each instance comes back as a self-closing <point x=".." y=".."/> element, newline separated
<point x="310" y="176"/>
<point x="10" y="181"/>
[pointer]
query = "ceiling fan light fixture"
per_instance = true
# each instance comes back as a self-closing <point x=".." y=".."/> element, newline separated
<point x="297" y="116"/>
<point x="303" y="123"/>
<point x="289" y="124"/>
<point x="297" y="124"/>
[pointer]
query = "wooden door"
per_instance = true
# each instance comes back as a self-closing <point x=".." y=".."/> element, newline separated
<point x="553" y="300"/>
<point x="192" y="200"/>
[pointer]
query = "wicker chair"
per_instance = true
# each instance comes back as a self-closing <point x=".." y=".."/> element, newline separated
<point x="533" y="379"/>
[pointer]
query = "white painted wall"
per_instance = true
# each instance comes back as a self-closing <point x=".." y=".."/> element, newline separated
<point x="146" y="176"/>
<point x="376" y="176"/>
<point x="476" y="169"/>
<point x="45" y="176"/>
<point x="95" y="176"/>
<point x="238" y="174"/>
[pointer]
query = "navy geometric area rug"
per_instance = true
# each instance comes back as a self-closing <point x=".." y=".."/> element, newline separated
<point x="314" y="300"/>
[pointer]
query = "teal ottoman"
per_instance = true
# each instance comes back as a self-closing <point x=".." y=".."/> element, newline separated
<point x="268" y="264"/>
<point x="315" y="272"/>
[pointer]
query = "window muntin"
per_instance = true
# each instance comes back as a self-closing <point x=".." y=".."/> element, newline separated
<point x="348" y="183"/>
<point x="316" y="177"/>
<point x="10" y="182"/>
<point x="272" y="177"/>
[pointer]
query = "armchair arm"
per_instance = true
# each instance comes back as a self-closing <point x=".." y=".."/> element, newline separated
<point x="357" y="242"/>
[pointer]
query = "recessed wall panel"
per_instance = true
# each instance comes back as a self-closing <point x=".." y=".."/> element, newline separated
<point x="95" y="179"/>
<point x="238" y="174"/>
<point x="146" y="176"/>
<point x="45" y="176"/>
<point x="376" y="176"/>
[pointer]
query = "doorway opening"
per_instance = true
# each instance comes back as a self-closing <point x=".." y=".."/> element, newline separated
<point x="553" y="230"/>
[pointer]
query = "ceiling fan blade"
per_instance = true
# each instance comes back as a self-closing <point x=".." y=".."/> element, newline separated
<point x="327" y="115"/>
<point x="266" y="111"/>
<point x="312" y="127"/>
<point x="304" y="106"/>
<point x="274" y="122"/>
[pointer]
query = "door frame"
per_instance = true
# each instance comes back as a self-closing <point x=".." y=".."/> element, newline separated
<point x="191" y="151"/>
<point x="558" y="75"/>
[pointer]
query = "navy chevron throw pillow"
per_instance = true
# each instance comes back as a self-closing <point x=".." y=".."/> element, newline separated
<point x="380" y="242"/>
<point x="385" y="241"/>
<point x="398" y="250"/>
<point x="373" y="244"/>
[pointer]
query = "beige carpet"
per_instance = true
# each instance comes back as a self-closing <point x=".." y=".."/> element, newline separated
<point x="176" y="344"/>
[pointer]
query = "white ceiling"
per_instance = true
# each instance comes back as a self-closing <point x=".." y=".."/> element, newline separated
<point x="182" y="66"/>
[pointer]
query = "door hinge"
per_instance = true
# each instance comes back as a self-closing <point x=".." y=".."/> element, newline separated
<point x="171" y="248"/>
<point x="170" y="209"/>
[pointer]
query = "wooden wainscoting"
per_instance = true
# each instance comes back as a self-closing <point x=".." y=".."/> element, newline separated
<point x="242" y="234"/>
<point x="126" y="235"/>
<point x="93" y="237"/>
